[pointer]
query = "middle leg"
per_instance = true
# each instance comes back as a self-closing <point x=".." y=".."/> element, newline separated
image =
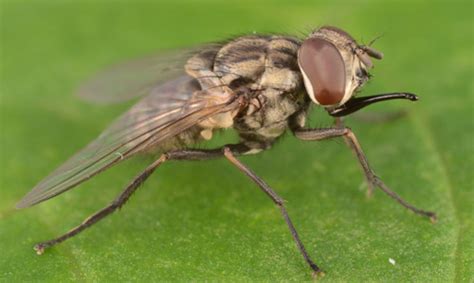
<point x="280" y="203"/>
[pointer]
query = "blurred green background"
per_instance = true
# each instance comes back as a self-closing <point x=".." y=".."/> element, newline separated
<point x="206" y="221"/>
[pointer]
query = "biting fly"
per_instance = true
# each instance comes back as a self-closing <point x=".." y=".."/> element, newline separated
<point x="259" y="85"/>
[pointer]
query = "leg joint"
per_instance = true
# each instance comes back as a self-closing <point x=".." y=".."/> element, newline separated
<point x="348" y="131"/>
<point x="279" y="202"/>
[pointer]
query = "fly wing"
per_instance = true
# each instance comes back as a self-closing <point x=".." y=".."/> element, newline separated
<point x="137" y="78"/>
<point x="169" y="110"/>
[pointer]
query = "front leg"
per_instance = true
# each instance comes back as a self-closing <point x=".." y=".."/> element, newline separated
<point x="339" y="123"/>
<point x="351" y="140"/>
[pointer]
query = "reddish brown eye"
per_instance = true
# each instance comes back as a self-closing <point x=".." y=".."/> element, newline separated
<point x="323" y="68"/>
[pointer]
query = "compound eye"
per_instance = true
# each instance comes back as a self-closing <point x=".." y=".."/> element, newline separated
<point x="323" y="71"/>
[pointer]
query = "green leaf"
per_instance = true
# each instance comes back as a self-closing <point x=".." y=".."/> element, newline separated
<point x="206" y="221"/>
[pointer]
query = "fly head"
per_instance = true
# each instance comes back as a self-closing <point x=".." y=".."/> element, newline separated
<point x="334" y="66"/>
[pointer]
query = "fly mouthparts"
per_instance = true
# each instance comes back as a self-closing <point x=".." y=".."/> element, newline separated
<point x="356" y="103"/>
<point x="412" y="97"/>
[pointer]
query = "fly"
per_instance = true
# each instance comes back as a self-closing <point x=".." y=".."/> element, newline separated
<point x="259" y="85"/>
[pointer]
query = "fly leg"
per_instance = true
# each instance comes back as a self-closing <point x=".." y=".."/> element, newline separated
<point x="99" y="215"/>
<point x="230" y="151"/>
<point x="339" y="123"/>
<point x="373" y="118"/>
<point x="350" y="138"/>
<point x="279" y="202"/>
<point x="134" y="185"/>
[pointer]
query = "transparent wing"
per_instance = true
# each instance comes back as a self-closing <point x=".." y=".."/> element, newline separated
<point x="166" y="112"/>
<point x="137" y="77"/>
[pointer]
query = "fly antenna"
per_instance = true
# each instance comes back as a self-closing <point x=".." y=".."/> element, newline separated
<point x="371" y="51"/>
<point x="375" y="39"/>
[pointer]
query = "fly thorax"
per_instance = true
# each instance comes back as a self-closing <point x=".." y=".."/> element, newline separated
<point x="284" y="79"/>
